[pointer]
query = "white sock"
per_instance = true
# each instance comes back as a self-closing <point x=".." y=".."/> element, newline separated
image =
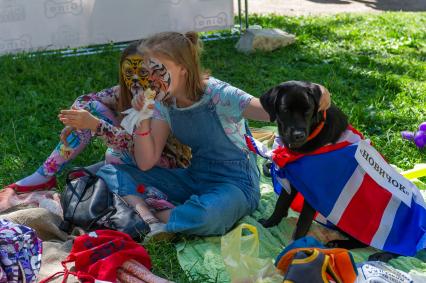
<point x="34" y="179"/>
<point x="154" y="223"/>
<point x="157" y="226"/>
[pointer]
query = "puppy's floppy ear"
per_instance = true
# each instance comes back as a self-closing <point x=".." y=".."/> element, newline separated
<point x="268" y="100"/>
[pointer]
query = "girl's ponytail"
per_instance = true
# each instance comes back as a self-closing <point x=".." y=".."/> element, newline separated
<point x="184" y="49"/>
<point x="193" y="37"/>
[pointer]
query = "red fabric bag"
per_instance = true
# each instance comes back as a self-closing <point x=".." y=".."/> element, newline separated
<point x="98" y="254"/>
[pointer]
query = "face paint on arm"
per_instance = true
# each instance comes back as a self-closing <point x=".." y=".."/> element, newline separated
<point x="159" y="79"/>
<point x="135" y="73"/>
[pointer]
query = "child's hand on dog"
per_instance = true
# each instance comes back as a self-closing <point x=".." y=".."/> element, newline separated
<point x="78" y="119"/>
<point x="325" y="100"/>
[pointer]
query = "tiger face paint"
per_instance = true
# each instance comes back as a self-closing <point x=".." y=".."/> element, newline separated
<point x="135" y="73"/>
<point x="159" y="79"/>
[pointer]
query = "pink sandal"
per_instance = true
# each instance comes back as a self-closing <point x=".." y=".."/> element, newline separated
<point x="52" y="183"/>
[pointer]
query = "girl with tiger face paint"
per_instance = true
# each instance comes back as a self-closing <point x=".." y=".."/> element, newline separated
<point x="135" y="73"/>
<point x="140" y="73"/>
<point x="159" y="79"/>
<point x="99" y="115"/>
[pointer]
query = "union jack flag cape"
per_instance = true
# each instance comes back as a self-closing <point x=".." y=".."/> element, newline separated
<point x="354" y="188"/>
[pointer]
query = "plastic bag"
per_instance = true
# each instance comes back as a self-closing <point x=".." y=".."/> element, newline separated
<point x="241" y="256"/>
<point x="418" y="171"/>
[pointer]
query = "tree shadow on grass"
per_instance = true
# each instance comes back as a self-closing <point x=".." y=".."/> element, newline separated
<point x="383" y="5"/>
<point x="395" y="5"/>
<point x="343" y="2"/>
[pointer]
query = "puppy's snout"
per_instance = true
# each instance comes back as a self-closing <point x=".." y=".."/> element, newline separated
<point x="298" y="135"/>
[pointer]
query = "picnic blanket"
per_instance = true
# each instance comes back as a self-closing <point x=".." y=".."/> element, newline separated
<point x="201" y="259"/>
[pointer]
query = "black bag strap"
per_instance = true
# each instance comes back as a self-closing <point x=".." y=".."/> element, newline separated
<point x="78" y="169"/>
<point x="109" y="211"/>
<point x="92" y="179"/>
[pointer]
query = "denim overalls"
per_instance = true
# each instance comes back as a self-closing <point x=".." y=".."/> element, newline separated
<point x="220" y="186"/>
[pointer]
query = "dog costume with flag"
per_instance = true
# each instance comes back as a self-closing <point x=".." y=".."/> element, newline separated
<point x="351" y="185"/>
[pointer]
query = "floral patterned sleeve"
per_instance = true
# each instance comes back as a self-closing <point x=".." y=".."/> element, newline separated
<point x="108" y="97"/>
<point x="115" y="137"/>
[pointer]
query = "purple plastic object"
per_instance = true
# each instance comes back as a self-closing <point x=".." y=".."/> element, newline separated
<point x="422" y="127"/>
<point x="419" y="137"/>
<point x="407" y="135"/>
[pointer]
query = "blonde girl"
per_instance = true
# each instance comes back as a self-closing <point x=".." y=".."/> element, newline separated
<point x="222" y="183"/>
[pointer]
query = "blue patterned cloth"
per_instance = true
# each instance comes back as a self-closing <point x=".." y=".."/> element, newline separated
<point x="20" y="253"/>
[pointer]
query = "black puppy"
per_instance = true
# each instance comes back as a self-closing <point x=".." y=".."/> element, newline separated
<point x="302" y="128"/>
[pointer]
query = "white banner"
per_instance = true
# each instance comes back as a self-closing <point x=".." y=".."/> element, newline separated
<point x="31" y="25"/>
<point x="388" y="178"/>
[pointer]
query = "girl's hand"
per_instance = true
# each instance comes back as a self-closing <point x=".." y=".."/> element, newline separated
<point x="144" y="101"/>
<point x="79" y="119"/>
<point x="65" y="133"/>
<point x="138" y="101"/>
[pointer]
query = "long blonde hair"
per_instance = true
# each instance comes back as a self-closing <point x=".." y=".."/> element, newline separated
<point x="184" y="50"/>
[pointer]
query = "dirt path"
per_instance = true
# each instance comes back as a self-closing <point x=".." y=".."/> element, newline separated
<point x="306" y="7"/>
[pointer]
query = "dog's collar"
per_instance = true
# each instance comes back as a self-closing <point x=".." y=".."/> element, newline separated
<point x="318" y="128"/>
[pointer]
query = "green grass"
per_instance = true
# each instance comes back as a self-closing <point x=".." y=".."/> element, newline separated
<point x="374" y="66"/>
